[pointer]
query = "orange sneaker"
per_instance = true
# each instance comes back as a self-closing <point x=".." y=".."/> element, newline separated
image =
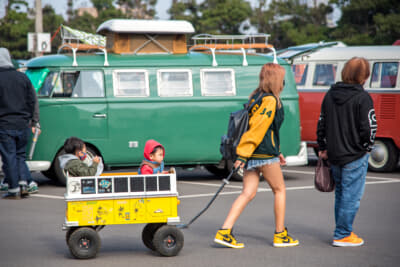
<point x="349" y="241"/>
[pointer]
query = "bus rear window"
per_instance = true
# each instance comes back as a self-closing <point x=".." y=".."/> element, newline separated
<point x="384" y="75"/>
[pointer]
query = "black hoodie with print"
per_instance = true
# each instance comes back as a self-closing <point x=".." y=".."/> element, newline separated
<point x="347" y="123"/>
<point x="18" y="101"/>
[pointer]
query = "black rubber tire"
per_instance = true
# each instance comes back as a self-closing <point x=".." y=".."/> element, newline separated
<point x="168" y="240"/>
<point x="390" y="156"/>
<point x="148" y="234"/>
<point x="84" y="243"/>
<point x="50" y="173"/>
<point x="69" y="232"/>
<point x="215" y="170"/>
<point x="60" y="175"/>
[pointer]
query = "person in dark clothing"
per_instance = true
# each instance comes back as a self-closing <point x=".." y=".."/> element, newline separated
<point x="346" y="132"/>
<point x="17" y="113"/>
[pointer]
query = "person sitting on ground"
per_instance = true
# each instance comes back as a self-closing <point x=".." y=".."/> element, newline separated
<point x="153" y="161"/>
<point x="73" y="162"/>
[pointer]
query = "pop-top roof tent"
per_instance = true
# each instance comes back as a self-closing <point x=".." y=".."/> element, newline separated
<point x="131" y="36"/>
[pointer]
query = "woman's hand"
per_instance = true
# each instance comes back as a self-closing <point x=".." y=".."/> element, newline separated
<point x="282" y="159"/>
<point x="239" y="163"/>
<point x="323" y="154"/>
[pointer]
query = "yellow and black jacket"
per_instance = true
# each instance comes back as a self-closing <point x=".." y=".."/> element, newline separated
<point x="261" y="140"/>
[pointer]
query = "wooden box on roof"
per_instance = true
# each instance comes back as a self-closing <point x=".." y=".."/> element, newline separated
<point x="129" y="36"/>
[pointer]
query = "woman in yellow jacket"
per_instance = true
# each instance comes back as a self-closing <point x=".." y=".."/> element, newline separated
<point x="258" y="151"/>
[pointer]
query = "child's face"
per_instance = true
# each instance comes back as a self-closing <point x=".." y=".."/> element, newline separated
<point x="157" y="156"/>
<point x="81" y="154"/>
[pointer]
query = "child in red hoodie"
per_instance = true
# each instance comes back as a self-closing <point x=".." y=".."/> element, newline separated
<point x="153" y="161"/>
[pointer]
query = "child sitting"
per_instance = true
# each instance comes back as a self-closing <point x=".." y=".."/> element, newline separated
<point x="73" y="161"/>
<point x="153" y="162"/>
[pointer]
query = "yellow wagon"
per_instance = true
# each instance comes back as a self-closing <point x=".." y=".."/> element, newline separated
<point x="122" y="198"/>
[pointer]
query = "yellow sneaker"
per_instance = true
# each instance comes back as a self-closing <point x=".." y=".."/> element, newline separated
<point x="349" y="241"/>
<point x="282" y="239"/>
<point x="224" y="237"/>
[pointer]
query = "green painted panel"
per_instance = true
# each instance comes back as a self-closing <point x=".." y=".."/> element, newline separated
<point x="37" y="77"/>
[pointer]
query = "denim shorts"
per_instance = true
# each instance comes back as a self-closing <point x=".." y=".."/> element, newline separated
<point x="253" y="164"/>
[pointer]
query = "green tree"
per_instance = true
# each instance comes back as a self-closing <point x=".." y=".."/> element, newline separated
<point x="292" y="23"/>
<point x="222" y="16"/>
<point x="139" y="9"/>
<point x="14" y="28"/>
<point x="51" y="22"/>
<point x="366" y="22"/>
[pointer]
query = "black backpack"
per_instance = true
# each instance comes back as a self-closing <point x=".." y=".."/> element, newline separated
<point x="237" y="126"/>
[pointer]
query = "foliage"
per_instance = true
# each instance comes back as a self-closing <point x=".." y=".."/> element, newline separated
<point x="14" y="28"/>
<point x="213" y="16"/>
<point x="368" y="22"/>
<point x="289" y="22"/>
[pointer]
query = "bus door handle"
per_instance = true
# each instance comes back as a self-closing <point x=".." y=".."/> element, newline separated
<point x="98" y="115"/>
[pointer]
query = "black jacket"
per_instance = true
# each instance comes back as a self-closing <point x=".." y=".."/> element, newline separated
<point x="347" y="123"/>
<point x="17" y="100"/>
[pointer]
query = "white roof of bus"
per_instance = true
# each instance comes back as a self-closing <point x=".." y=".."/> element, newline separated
<point x="345" y="53"/>
<point x="146" y="26"/>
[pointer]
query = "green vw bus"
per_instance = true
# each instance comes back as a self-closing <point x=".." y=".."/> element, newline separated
<point x="145" y="84"/>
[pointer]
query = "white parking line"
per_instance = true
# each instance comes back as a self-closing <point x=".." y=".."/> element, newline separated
<point x="46" y="196"/>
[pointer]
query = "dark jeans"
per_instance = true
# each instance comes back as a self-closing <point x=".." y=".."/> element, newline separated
<point x="350" y="184"/>
<point x="13" y="154"/>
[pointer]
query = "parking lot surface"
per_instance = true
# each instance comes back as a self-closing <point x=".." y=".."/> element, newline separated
<point x="31" y="233"/>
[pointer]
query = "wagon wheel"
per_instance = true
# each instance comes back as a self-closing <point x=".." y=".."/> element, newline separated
<point x="148" y="234"/>
<point x="69" y="232"/>
<point x="84" y="243"/>
<point x="168" y="240"/>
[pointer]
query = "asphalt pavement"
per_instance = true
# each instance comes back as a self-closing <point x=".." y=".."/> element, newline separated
<point x="31" y="233"/>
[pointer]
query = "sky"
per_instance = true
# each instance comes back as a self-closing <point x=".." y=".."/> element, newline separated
<point x="61" y="6"/>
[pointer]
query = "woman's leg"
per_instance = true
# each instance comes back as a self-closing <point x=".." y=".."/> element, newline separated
<point x="273" y="175"/>
<point x="250" y="185"/>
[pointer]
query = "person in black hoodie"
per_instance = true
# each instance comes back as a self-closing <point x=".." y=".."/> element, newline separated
<point x="18" y="110"/>
<point x="346" y="132"/>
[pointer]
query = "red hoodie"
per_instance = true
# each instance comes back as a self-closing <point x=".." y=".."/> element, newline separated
<point x="148" y="166"/>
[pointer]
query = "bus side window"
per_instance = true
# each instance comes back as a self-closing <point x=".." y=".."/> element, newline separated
<point x="384" y="75"/>
<point x="324" y="74"/>
<point x="217" y="82"/>
<point x="300" y="73"/>
<point x="174" y="83"/>
<point x="48" y="84"/>
<point x="131" y="83"/>
<point x="89" y="84"/>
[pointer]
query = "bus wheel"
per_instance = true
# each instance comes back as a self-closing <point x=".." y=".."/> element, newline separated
<point x="61" y="176"/>
<point x="84" y="243"/>
<point x="168" y="240"/>
<point x="148" y="234"/>
<point x="383" y="157"/>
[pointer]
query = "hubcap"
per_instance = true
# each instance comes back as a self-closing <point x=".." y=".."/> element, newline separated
<point x="379" y="155"/>
<point x="169" y="241"/>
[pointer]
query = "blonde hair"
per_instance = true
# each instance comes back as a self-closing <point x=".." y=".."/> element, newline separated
<point x="271" y="80"/>
<point x="356" y="71"/>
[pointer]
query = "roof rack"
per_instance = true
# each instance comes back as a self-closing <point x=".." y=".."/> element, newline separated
<point x="79" y="40"/>
<point x="242" y="42"/>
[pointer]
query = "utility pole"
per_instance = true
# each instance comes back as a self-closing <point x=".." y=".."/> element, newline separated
<point x="38" y="22"/>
